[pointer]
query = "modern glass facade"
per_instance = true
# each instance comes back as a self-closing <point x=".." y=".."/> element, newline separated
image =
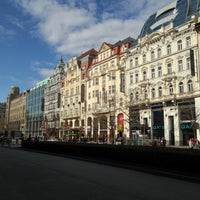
<point x="34" y="112"/>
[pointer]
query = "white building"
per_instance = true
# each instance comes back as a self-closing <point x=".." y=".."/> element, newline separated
<point x="162" y="74"/>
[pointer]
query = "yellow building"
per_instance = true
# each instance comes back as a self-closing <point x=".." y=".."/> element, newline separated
<point x="15" y="112"/>
<point x="106" y="110"/>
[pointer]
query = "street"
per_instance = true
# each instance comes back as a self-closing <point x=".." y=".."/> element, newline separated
<point x="29" y="175"/>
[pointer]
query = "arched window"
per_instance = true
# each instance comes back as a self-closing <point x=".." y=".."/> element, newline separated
<point x="188" y="41"/>
<point x="160" y="91"/>
<point x="131" y="63"/>
<point x="171" y="90"/>
<point x="145" y="94"/>
<point x="137" y="96"/>
<point x="169" y="50"/>
<point x="153" y="74"/>
<point x="159" y="53"/>
<point x="190" y="86"/>
<point x="136" y="61"/>
<point x="131" y="78"/>
<point x="180" y="65"/>
<point x="144" y="75"/>
<point x="179" y="45"/>
<point x="159" y="71"/>
<point x="169" y="68"/>
<point x="181" y="87"/>
<point x="144" y="58"/>
<point x="131" y="97"/>
<point x="152" y="55"/>
<point x="153" y="94"/>
<point x="136" y="78"/>
<point x="188" y="63"/>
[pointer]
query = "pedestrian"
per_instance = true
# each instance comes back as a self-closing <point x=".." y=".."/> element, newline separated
<point x="192" y="143"/>
<point x="163" y="142"/>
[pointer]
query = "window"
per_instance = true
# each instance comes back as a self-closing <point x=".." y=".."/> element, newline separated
<point x="190" y="86"/>
<point x="188" y="63"/>
<point x="131" y="97"/>
<point x="112" y="76"/>
<point x="159" y="71"/>
<point x="181" y="88"/>
<point x="136" y="78"/>
<point x="179" y="44"/>
<point x="180" y="65"/>
<point x="188" y="41"/>
<point x="153" y="75"/>
<point x="152" y="55"/>
<point x="145" y="94"/>
<point x="153" y="94"/>
<point x="171" y="90"/>
<point x="136" y="61"/>
<point x="96" y="81"/>
<point x="169" y="51"/>
<point x="144" y="58"/>
<point x="169" y="68"/>
<point x="160" y="91"/>
<point x="103" y="79"/>
<point x="137" y="96"/>
<point x="112" y="89"/>
<point x="144" y="75"/>
<point x="112" y="63"/>
<point x="95" y="70"/>
<point x="103" y="70"/>
<point x="131" y="78"/>
<point x="89" y="84"/>
<point x="159" y="53"/>
<point x="131" y="63"/>
<point x="93" y="94"/>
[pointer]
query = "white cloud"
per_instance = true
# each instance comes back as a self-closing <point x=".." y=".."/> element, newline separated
<point x="72" y="27"/>
<point x="44" y="72"/>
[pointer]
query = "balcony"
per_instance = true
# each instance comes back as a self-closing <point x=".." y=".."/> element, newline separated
<point x="144" y="83"/>
<point x="169" y="77"/>
<point x="101" y="109"/>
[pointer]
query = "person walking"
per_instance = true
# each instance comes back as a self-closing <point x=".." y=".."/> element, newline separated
<point x="192" y="143"/>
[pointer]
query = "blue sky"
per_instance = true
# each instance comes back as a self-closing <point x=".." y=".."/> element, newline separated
<point x="34" y="34"/>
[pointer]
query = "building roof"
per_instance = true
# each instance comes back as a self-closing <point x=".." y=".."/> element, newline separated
<point x="120" y="43"/>
<point x="178" y="12"/>
<point x="89" y="52"/>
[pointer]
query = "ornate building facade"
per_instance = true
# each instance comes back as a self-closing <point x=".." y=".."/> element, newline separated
<point x="52" y="102"/>
<point x="163" y="74"/>
<point x="105" y="92"/>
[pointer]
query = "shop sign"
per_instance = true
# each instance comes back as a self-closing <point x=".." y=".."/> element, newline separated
<point x="158" y="127"/>
<point x="186" y="126"/>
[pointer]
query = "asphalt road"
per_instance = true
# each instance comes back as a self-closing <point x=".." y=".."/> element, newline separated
<point x="27" y="175"/>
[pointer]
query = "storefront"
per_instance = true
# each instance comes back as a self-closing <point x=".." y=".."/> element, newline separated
<point x="158" y="123"/>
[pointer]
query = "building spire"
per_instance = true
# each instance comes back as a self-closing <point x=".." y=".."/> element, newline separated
<point x="61" y="59"/>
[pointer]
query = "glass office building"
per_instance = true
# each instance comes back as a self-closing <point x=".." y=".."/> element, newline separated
<point x="34" y="112"/>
